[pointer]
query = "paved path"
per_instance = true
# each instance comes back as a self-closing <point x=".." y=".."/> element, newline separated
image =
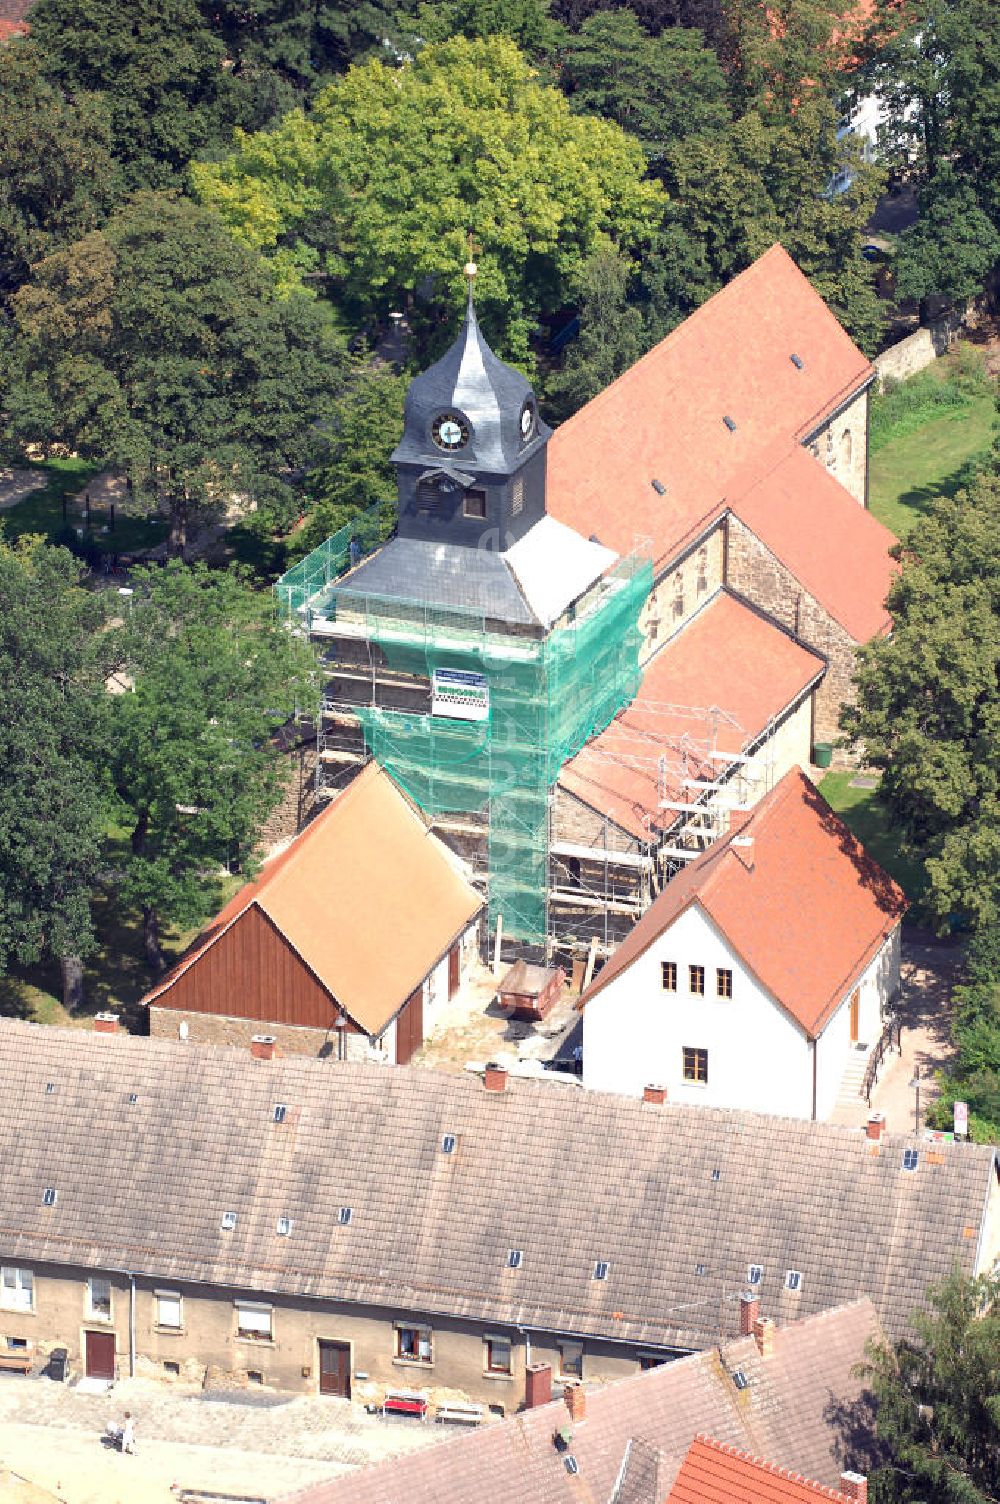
<point x="15" y="485"/>
<point x="261" y="1445"/>
<point x="929" y="971"/>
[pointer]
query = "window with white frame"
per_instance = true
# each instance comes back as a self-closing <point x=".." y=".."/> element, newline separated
<point x="99" y="1298"/>
<point x="254" y="1321"/>
<point x="415" y="1344"/>
<point x="17" y="1288"/>
<point x="168" y="1309"/>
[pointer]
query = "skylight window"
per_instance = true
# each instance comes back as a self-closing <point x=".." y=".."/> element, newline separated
<point x="448" y="1144"/>
<point x="700" y="1269"/>
<point x="716" y="1174"/>
<point x="601" y="1269"/>
<point x="228" y="1221"/>
<point x="133" y="1098"/>
<point x="284" y="1226"/>
<point x="755" y="1273"/>
<point x="50" y="1087"/>
<point x="793" y="1280"/>
<point x="279" y="1112"/>
<point x="514" y="1257"/>
<point x="570" y="1463"/>
<point x="658" y="486"/>
<point x="344" y="1216"/>
<point x="49" y="1196"/>
<point x="740" y="1379"/>
<point x="797" y="361"/>
<point x="730" y="423"/>
<point x="911" y="1158"/>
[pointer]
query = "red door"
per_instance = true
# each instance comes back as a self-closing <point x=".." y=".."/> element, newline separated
<point x="335" y="1369"/>
<point x="100" y="1355"/>
<point x="454" y="969"/>
<point x="410" y="1027"/>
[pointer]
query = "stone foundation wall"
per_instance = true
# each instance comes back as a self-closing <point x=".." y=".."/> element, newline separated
<point x="842" y="446"/>
<point x="212" y="1028"/>
<point x="756" y="573"/>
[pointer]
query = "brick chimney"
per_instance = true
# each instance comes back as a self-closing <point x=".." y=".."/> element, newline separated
<point x="105" y="1023"/>
<point x="749" y="1313"/>
<point x="763" y="1335"/>
<point x="262" y="1046"/>
<point x="855" y="1486"/>
<point x="657" y="1094"/>
<point x="537" y="1385"/>
<point x="576" y="1402"/>
<point x="495" y="1077"/>
<point x="875" y="1126"/>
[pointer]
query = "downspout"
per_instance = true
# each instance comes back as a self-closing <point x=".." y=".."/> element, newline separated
<point x="131" y="1324"/>
<point x="814" y="1044"/>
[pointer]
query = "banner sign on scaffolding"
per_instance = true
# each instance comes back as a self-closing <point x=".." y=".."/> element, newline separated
<point x="460" y="695"/>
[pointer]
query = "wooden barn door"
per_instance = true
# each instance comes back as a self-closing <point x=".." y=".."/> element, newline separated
<point x="335" y="1369"/>
<point x="855" y="1015"/>
<point x="410" y="1027"/>
<point x="454" y="969"/>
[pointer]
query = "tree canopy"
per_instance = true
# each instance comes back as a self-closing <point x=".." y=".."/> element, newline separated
<point x="928" y="706"/>
<point x="953" y="246"/>
<point x="383" y="182"/>
<point x="159" y="343"/>
<point x="195" y="768"/>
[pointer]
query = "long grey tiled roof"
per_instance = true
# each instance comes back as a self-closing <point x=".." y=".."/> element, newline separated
<point x="803" y="1408"/>
<point x="445" y="575"/>
<point x="678" y="1201"/>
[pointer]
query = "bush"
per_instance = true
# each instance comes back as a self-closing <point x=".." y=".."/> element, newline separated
<point x="905" y="406"/>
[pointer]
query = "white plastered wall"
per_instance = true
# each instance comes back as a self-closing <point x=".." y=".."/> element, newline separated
<point x="634" y="1033"/>
<point x="878" y="985"/>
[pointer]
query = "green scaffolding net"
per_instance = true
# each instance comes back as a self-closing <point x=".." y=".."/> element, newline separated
<point x="546" y="697"/>
<point x="309" y="579"/>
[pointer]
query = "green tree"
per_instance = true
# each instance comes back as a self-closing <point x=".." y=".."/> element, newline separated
<point x="611" y="338"/>
<point x="159" y="66"/>
<point x="928" y="704"/>
<point x="526" y="22"/>
<point x="54" y="795"/>
<point x="195" y="767"/>
<point x="355" y="474"/>
<point x="953" y="246"/>
<point x="395" y="166"/>
<point x="938" y="1397"/>
<point x="660" y="89"/>
<point x="159" y="344"/>
<point x="60" y="178"/>
<point x="656" y="16"/>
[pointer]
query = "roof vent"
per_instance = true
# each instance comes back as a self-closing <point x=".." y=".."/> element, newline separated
<point x="133" y="1098"/>
<point x="228" y="1221"/>
<point x="344" y="1216"/>
<point x="570" y="1463"/>
<point x="740" y="1379"/>
<point x="50" y="1087"/>
<point x="730" y="423"/>
<point x="601" y="1269"/>
<point x="448" y="1144"/>
<point x="284" y="1227"/>
<point x="49" y="1196"/>
<point x="514" y="1257"/>
<point x="797" y="361"/>
<point x="700" y="1269"/>
<point x="755" y="1273"/>
<point x="716" y="1175"/>
<point x="793" y="1280"/>
<point x="658" y="486"/>
<point x="280" y="1111"/>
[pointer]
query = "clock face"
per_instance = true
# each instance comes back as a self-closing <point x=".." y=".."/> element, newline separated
<point x="449" y="431"/>
<point x="527" y="421"/>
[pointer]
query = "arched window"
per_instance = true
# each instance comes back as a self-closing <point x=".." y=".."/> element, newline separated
<point x="846" y="448"/>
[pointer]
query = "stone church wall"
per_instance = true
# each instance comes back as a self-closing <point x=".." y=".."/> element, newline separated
<point x="755" y="572"/>
<point x="842" y="446"/>
<point x="682" y="590"/>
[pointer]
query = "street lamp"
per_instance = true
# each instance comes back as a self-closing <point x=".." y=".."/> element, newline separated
<point x="915" y="1086"/>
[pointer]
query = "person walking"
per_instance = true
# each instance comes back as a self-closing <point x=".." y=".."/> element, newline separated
<point x="128" y="1433"/>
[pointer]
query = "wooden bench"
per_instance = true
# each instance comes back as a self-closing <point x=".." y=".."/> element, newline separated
<point x="406" y="1402"/>
<point x="461" y="1415"/>
<point x="17" y="1359"/>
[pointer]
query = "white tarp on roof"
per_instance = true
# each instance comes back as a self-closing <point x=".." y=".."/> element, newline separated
<point x="554" y="564"/>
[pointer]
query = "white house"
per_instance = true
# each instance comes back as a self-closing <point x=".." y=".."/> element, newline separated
<point x="757" y="972"/>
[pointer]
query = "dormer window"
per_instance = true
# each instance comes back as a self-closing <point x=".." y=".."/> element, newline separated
<point x="450" y="432"/>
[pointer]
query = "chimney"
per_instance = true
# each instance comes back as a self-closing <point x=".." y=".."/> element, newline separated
<point x="537" y="1385"/>
<point x="875" y="1126"/>
<point x="749" y="1313"/>
<point x="262" y="1046"/>
<point x="576" y="1402"/>
<point x="105" y="1023"/>
<point x="657" y="1094"/>
<point x="763" y="1334"/>
<point x="855" y="1486"/>
<point x="495" y="1077"/>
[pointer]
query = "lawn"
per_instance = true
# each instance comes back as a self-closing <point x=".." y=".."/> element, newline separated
<point x="866" y="816"/>
<point x="42" y="512"/>
<point x="923" y="446"/>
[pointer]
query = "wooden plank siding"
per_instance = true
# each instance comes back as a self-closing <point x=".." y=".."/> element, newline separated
<point x="252" y="972"/>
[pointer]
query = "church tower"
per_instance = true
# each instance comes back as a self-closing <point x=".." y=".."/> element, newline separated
<point x="471" y="461"/>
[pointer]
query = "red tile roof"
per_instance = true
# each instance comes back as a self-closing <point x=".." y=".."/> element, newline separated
<point x="804" y="906"/>
<point x="363" y="870"/>
<point x="837" y="550"/>
<point x="714" y="1473"/>
<point x="729" y="658"/>
<point x="663" y="419"/>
